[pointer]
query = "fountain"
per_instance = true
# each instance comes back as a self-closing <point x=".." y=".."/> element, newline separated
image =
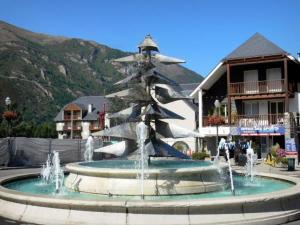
<point x="225" y="145"/>
<point x="58" y="173"/>
<point x="142" y="135"/>
<point x="250" y="162"/>
<point x="177" y="191"/>
<point x="89" y="149"/>
<point x="144" y="123"/>
<point x="46" y="170"/>
<point x="52" y="172"/>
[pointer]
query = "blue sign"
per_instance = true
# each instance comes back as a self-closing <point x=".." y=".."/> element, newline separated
<point x="290" y="148"/>
<point x="290" y="145"/>
<point x="261" y="131"/>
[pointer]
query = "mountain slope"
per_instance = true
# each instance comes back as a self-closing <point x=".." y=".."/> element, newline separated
<point x="41" y="73"/>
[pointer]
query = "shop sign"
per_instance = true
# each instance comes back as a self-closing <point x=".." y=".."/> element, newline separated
<point x="290" y="148"/>
<point x="261" y="131"/>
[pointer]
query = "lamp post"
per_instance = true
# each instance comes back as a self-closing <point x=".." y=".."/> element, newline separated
<point x="8" y="103"/>
<point x="217" y="105"/>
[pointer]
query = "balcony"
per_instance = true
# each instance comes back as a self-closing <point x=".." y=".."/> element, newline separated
<point x="95" y="127"/>
<point x="258" y="120"/>
<point x="257" y="87"/>
<point x="250" y="120"/>
<point x="69" y="127"/>
<point x="75" y="117"/>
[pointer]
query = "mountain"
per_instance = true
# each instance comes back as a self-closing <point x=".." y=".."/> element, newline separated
<point x="41" y="73"/>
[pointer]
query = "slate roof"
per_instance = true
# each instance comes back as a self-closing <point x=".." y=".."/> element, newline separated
<point x="257" y="45"/>
<point x="187" y="89"/>
<point x="83" y="102"/>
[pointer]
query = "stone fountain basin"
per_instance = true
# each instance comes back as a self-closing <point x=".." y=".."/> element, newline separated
<point x="271" y="208"/>
<point x="159" y="181"/>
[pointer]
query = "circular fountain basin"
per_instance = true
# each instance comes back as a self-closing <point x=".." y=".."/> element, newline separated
<point x="163" y="177"/>
<point x="274" y="207"/>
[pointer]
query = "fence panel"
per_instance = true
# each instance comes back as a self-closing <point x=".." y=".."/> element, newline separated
<point x="4" y="153"/>
<point x="21" y="151"/>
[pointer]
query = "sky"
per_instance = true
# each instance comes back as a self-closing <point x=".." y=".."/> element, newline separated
<point x="202" y="32"/>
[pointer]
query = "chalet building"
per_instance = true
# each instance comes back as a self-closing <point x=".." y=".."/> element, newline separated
<point x="189" y="111"/>
<point x="80" y="118"/>
<point x="258" y="88"/>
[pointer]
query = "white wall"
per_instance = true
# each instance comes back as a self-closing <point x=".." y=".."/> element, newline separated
<point x="294" y="103"/>
<point x="189" y="141"/>
<point x="59" y="126"/>
<point x="183" y="109"/>
<point x="212" y="131"/>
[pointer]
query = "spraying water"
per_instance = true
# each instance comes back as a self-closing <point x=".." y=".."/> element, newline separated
<point x="221" y="145"/>
<point x="229" y="166"/>
<point x="89" y="149"/>
<point x="250" y="162"/>
<point x="142" y="132"/>
<point x="46" y="170"/>
<point x="52" y="172"/>
<point x="224" y="145"/>
<point x="57" y="172"/>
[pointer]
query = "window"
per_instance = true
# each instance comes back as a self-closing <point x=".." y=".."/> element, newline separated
<point x="251" y="81"/>
<point x="274" y="83"/>
<point x="251" y="108"/>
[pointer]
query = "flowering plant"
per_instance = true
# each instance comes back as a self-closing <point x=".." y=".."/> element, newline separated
<point x="9" y="115"/>
<point x="279" y="154"/>
<point x="215" y="120"/>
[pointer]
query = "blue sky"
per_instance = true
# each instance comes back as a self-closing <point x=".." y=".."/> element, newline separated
<point x="200" y="31"/>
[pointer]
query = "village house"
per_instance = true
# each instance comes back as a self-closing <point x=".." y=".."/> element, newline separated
<point x="255" y="92"/>
<point x="82" y="117"/>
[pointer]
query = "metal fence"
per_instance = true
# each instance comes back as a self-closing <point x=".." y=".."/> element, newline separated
<point x="21" y="151"/>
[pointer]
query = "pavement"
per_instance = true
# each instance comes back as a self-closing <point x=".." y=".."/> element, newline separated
<point x="260" y="167"/>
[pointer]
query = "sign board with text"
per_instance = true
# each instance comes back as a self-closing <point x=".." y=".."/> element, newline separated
<point x="290" y="148"/>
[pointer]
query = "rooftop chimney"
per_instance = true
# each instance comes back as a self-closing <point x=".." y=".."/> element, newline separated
<point x="90" y="108"/>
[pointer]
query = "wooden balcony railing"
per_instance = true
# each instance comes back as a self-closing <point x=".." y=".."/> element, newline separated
<point x="75" y="117"/>
<point x="95" y="127"/>
<point x="251" y="120"/>
<point x="257" y="87"/>
<point x="258" y="120"/>
<point x="68" y="127"/>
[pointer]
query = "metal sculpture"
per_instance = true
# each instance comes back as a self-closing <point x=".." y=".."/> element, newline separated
<point x="153" y="88"/>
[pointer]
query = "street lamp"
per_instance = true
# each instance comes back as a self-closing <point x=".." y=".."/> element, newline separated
<point x="7" y="102"/>
<point x="217" y="105"/>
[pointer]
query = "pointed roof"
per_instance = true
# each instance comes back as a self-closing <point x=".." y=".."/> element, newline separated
<point x="98" y="102"/>
<point x="257" y="45"/>
<point x="148" y="44"/>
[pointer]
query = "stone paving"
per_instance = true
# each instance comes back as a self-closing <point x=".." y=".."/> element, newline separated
<point x="260" y="167"/>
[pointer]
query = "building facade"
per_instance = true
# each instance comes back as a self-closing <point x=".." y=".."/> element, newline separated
<point x="258" y="87"/>
<point x="82" y="117"/>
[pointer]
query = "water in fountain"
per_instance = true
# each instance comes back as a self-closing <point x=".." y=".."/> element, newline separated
<point x="57" y="172"/>
<point x="250" y="162"/>
<point x="224" y="145"/>
<point x="229" y="166"/>
<point x="52" y="172"/>
<point x="46" y="170"/>
<point x="142" y="132"/>
<point x="89" y="149"/>
<point x="220" y="146"/>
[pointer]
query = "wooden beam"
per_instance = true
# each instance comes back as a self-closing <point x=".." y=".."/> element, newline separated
<point x="228" y="93"/>
<point x="245" y="97"/>
<point x="255" y="61"/>
<point x="286" y="101"/>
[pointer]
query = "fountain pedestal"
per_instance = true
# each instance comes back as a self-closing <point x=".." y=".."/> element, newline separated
<point x="159" y="182"/>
